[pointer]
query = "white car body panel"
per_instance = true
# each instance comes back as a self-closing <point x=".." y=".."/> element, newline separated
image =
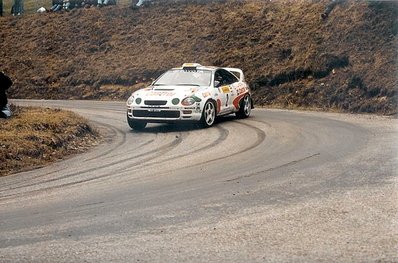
<point x="155" y="103"/>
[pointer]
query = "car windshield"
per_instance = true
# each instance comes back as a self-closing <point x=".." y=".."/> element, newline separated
<point x="180" y="77"/>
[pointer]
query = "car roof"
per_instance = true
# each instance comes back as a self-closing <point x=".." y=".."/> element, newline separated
<point x="196" y="66"/>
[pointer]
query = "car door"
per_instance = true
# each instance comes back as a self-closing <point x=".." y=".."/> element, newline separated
<point x="223" y="81"/>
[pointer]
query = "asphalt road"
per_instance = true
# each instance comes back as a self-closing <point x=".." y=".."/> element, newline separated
<point x="281" y="186"/>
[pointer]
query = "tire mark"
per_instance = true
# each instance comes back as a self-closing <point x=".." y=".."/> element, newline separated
<point x="160" y="151"/>
<point x="137" y="165"/>
<point x="260" y="138"/>
<point x="223" y="136"/>
<point x="114" y="146"/>
<point x="274" y="168"/>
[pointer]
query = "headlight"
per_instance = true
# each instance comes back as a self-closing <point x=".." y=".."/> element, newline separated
<point x="188" y="101"/>
<point x="130" y="100"/>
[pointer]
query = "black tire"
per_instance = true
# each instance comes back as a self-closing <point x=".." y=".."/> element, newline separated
<point x="136" y="125"/>
<point x="209" y="114"/>
<point x="245" y="107"/>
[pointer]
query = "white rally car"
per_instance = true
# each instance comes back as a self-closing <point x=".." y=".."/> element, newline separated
<point x="191" y="93"/>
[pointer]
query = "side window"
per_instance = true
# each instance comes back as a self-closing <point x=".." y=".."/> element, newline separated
<point x="223" y="77"/>
<point x="228" y="77"/>
<point x="218" y="79"/>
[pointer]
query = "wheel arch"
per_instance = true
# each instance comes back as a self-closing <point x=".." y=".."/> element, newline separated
<point x="215" y="104"/>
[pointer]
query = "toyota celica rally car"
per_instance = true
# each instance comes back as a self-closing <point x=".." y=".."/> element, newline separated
<point x="191" y="93"/>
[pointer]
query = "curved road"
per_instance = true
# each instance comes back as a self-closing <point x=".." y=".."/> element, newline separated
<point x="279" y="186"/>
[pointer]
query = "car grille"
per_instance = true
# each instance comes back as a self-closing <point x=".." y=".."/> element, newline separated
<point x="155" y="102"/>
<point x="156" y="114"/>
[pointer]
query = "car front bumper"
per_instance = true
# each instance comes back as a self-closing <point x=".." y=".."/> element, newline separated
<point x="164" y="114"/>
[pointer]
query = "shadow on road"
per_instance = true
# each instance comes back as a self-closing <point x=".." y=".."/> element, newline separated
<point x="180" y="127"/>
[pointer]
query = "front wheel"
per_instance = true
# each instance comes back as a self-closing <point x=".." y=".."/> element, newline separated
<point x="136" y="125"/>
<point x="208" y="115"/>
<point x="245" y="107"/>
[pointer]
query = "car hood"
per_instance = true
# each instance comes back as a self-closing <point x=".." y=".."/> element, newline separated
<point x="165" y="92"/>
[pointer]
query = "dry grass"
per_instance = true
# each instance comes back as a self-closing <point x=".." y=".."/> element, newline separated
<point x="35" y="137"/>
<point x="291" y="57"/>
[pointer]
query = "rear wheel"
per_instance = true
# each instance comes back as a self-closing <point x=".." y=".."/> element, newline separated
<point x="136" y="125"/>
<point x="245" y="107"/>
<point x="208" y="114"/>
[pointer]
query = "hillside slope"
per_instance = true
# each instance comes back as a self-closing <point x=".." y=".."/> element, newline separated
<point x="291" y="57"/>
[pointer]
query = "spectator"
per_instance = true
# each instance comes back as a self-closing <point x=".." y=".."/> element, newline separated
<point x="41" y="10"/>
<point x="140" y="2"/>
<point x="87" y="3"/>
<point x="5" y="83"/>
<point x="137" y="3"/>
<point x="17" y="8"/>
<point x="66" y="5"/>
<point x="106" y="2"/>
<point x="57" y="5"/>
<point x="329" y="7"/>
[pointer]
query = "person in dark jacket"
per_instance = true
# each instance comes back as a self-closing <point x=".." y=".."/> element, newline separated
<point x="5" y="84"/>
<point x="17" y="8"/>
<point x="57" y="5"/>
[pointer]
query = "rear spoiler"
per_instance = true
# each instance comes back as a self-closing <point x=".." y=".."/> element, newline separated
<point x="237" y="72"/>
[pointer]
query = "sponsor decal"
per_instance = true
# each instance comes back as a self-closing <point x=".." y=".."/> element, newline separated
<point x="161" y="93"/>
<point x="241" y="90"/>
<point x="206" y="94"/>
<point x="225" y="89"/>
<point x="218" y="105"/>
<point x="237" y="100"/>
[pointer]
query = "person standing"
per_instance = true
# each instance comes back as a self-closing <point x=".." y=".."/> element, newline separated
<point x="139" y="3"/>
<point x="102" y="3"/>
<point x="17" y="8"/>
<point x="136" y="4"/>
<point x="5" y="84"/>
<point x="57" y="5"/>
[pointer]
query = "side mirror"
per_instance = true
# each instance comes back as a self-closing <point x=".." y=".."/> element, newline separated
<point x="216" y="83"/>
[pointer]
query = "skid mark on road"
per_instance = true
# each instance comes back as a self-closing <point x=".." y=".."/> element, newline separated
<point x="223" y="135"/>
<point x="112" y="133"/>
<point x="260" y="138"/>
<point x="274" y="168"/>
<point x="157" y="151"/>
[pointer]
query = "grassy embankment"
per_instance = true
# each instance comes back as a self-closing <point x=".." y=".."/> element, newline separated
<point x="35" y="137"/>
